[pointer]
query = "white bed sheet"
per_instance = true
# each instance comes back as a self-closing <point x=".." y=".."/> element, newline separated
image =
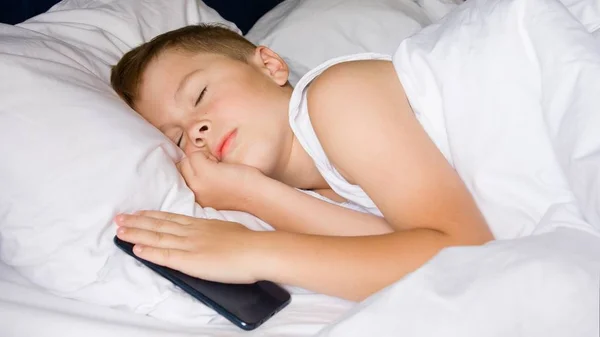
<point x="27" y="311"/>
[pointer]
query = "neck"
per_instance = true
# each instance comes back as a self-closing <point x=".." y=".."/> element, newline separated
<point x="299" y="170"/>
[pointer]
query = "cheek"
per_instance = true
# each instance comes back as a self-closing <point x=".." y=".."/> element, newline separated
<point x="266" y="141"/>
<point x="230" y="110"/>
<point x="259" y="152"/>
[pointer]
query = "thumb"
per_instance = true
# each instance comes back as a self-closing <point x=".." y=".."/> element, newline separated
<point x="198" y="159"/>
<point x="183" y="162"/>
<point x="193" y="164"/>
<point x="185" y="168"/>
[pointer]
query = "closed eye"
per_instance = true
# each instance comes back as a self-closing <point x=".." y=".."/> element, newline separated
<point x="200" y="96"/>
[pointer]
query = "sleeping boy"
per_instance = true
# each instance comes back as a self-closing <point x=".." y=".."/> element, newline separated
<point x="346" y="131"/>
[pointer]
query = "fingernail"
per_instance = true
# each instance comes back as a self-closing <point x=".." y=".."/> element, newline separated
<point x="137" y="249"/>
<point x="121" y="231"/>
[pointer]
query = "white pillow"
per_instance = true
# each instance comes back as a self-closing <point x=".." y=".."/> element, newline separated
<point x="74" y="154"/>
<point x="310" y="32"/>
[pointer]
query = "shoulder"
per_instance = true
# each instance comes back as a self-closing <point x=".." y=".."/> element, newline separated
<point x="349" y="76"/>
<point x="347" y="87"/>
<point x="351" y="99"/>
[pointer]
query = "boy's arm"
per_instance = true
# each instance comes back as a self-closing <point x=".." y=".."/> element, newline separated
<point x="288" y="209"/>
<point x="348" y="267"/>
<point x="375" y="141"/>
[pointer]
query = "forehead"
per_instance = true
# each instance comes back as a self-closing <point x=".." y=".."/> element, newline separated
<point x="169" y="68"/>
<point x="174" y="62"/>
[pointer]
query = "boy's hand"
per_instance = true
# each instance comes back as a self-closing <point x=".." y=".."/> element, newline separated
<point x="210" y="249"/>
<point x="219" y="185"/>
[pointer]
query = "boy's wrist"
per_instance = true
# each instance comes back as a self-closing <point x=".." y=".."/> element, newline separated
<point x="262" y="255"/>
<point x="254" y="196"/>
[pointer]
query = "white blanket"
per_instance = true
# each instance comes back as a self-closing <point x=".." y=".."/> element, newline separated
<point x="510" y="92"/>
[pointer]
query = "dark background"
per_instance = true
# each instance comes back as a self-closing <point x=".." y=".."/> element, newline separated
<point x="243" y="13"/>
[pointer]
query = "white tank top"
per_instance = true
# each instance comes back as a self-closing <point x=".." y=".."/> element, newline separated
<point x="301" y="126"/>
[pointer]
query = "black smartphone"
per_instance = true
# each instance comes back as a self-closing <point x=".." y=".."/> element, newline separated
<point x="245" y="305"/>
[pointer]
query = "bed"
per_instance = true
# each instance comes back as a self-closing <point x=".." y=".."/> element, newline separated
<point x="74" y="155"/>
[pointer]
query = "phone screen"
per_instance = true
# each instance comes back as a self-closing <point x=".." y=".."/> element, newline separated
<point x="246" y="305"/>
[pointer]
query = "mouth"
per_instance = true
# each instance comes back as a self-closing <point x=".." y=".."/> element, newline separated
<point x="225" y="144"/>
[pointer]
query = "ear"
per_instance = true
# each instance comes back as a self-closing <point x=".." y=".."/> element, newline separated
<point x="271" y="64"/>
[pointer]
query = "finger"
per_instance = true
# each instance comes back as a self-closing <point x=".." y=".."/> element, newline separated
<point x="173" y="217"/>
<point x="185" y="168"/>
<point x="150" y="238"/>
<point x="149" y="223"/>
<point x="185" y="162"/>
<point x="198" y="154"/>
<point x="198" y="161"/>
<point x="169" y="257"/>
<point x="198" y="158"/>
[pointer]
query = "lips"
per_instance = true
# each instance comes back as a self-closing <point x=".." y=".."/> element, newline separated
<point x="225" y="144"/>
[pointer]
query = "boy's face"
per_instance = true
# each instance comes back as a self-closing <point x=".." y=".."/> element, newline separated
<point x="234" y="112"/>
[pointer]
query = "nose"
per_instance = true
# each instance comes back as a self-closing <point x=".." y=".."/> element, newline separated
<point x="198" y="133"/>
